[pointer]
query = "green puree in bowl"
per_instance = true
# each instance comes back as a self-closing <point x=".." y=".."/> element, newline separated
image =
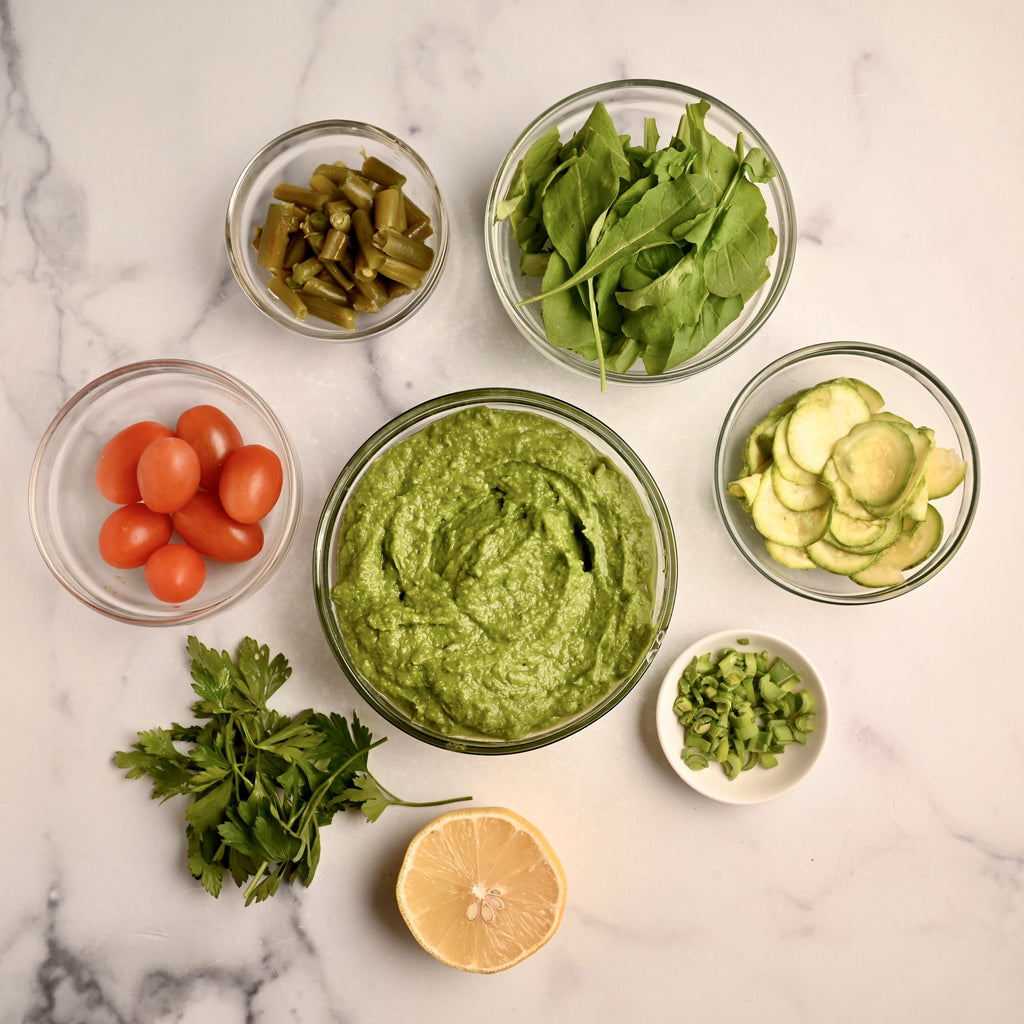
<point x="495" y="574"/>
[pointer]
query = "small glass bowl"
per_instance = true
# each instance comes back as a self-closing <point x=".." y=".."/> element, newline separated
<point x="910" y="391"/>
<point x="66" y="510"/>
<point x="757" y="785"/>
<point x="606" y="442"/>
<point x="629" y="102"/>
<point x="292" y="158"/>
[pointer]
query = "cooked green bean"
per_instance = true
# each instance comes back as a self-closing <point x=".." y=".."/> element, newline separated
<point x="359" y="191"/>
<point x="383" y="174"/>
<point x="401" y="247"/>
<point x="300" y="196"/>
<point x="289" y="297"/>
<point x="325" y="289"/>
<point x="372" y="292"/>
<point x="335" y="243"/>
<point x="362" y="227"/>
<point x="321" y="183"/>
<point x="332" y="312"/>
<point x="335" y="270"/>
<point x="303" y="271"/>
<point x="389" y="210"/>
<point x="282" y="220"/>
<point x="335" y="172"/>
<point x="404" y="273"/>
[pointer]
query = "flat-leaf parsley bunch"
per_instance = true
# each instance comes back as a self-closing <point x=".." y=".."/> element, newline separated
<point x="262" y="784"/>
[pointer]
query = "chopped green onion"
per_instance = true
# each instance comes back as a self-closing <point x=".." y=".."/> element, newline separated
<point x="741" y="710"/>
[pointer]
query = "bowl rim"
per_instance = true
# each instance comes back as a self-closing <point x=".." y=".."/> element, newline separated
<point x="779" y="188"/>
<point x="107" y="382"/>
<point x="737" y="791"/>
<point x="237" y="243"/>
<point x="407" y="423"/>
<point x="959" y="422"/>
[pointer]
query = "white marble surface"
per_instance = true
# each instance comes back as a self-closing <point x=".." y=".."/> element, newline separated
<point x="889" y="886"/>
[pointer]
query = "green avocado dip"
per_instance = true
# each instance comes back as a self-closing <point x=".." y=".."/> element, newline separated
<point x="495" y="574"/>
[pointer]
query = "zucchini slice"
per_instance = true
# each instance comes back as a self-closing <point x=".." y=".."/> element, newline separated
<point x="800" y="497"/>
<point x="791" y="558"/>
<point x="784" y="526"/>
<point x="875" y="460"/>
<point x="944" y="472"/>
<point x="757" y="450"/>
<point x="821" y="417"/>
<point x="783" y="461"/>
<point x="844" y="563"/>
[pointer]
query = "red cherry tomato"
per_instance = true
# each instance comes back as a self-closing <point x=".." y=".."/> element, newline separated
<point x="250" y="483"/>
<point x="168" y="474"/>
<point x="175" y="573"/>
<point x="130" y="534"/>
<point x="205" y="525"/>
<point x="214" y="437"/>
<point x="118" y="462"/>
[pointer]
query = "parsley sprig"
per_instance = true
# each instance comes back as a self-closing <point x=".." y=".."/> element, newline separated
<point x="262" y="784"/>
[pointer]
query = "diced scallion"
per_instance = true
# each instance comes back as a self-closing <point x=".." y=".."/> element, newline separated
<point x="740" y="710"/>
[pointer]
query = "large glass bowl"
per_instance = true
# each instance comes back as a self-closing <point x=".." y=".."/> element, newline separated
<point x="910" y="391"/>
<point x="629" y="103"/>
<point x="292" y="158"/>
<point x="607" y="443"/>
<point x="66" y="510"/>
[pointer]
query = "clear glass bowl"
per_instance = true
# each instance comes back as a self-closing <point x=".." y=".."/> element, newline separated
<point x="606" y="442"/>
<point x="628" y="103"/>
<point x="66" y="510"/>
<point x="292" y="158"/>
<point x="910" y="391"/>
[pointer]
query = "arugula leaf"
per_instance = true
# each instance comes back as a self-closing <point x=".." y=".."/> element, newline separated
<point x="262" y="784"/>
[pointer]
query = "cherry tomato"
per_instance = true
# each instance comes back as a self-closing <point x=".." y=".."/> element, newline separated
<point x="118" y="462"/>
<point x="214" y="437"/>
<point x="205" y="525"/>
<point x="130" y="534"/>
<point x="175" y="573"/>
<point x="168" y="474"/>
<point x="250" y="483"/>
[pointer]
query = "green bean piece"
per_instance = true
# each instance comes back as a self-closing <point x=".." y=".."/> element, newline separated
<point x="359" y="191"/>
<point x="404" y="273"/>
<point x="401" y="247"/>
<point x="302" y="272"/>
<point x="296" y="251"/>
<point x="371" y="291"/>
<point x="316" y="221"/>
<point x="335" y="172"/>
<point x="740" y="710"/>
<point x="331" y="312"/>
<point x="334" y="268"/>
<point x="289" y="297"/>
<point x="335" y="243"/>
<point x="389" y="210"/>
<point x="340" y="215"/>
<point x="396" y="289"/>
<point x="300" y="196"/>
<point x="362" y="228"/>
<point x="383" y="174"/>
<point x="325" y="289"/>
<point x="321" y="183"/>
<point x="414" y="216"/>
<point x="282" y="220"/>
<point x="420" y="232"/>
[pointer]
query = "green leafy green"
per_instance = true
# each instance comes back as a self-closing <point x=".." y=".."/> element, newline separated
<point x="644" y="253"/>
<point x="262" y="784"/>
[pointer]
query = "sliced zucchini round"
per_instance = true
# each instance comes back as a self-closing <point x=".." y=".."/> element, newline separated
<point x="944" y="472"/>
<point x="791" y="558"/>
<point x="820" y="418"/>
<point x="844" y="563"/>
<point x="800" y="497"/>
<point x="875" y="460"/>
<point x="784" y="526"/>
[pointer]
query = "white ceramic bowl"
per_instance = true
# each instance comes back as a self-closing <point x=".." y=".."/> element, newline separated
<point x="757" y="785"/>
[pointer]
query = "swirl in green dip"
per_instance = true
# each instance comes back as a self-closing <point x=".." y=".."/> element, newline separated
<point x="495" y="574"/>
